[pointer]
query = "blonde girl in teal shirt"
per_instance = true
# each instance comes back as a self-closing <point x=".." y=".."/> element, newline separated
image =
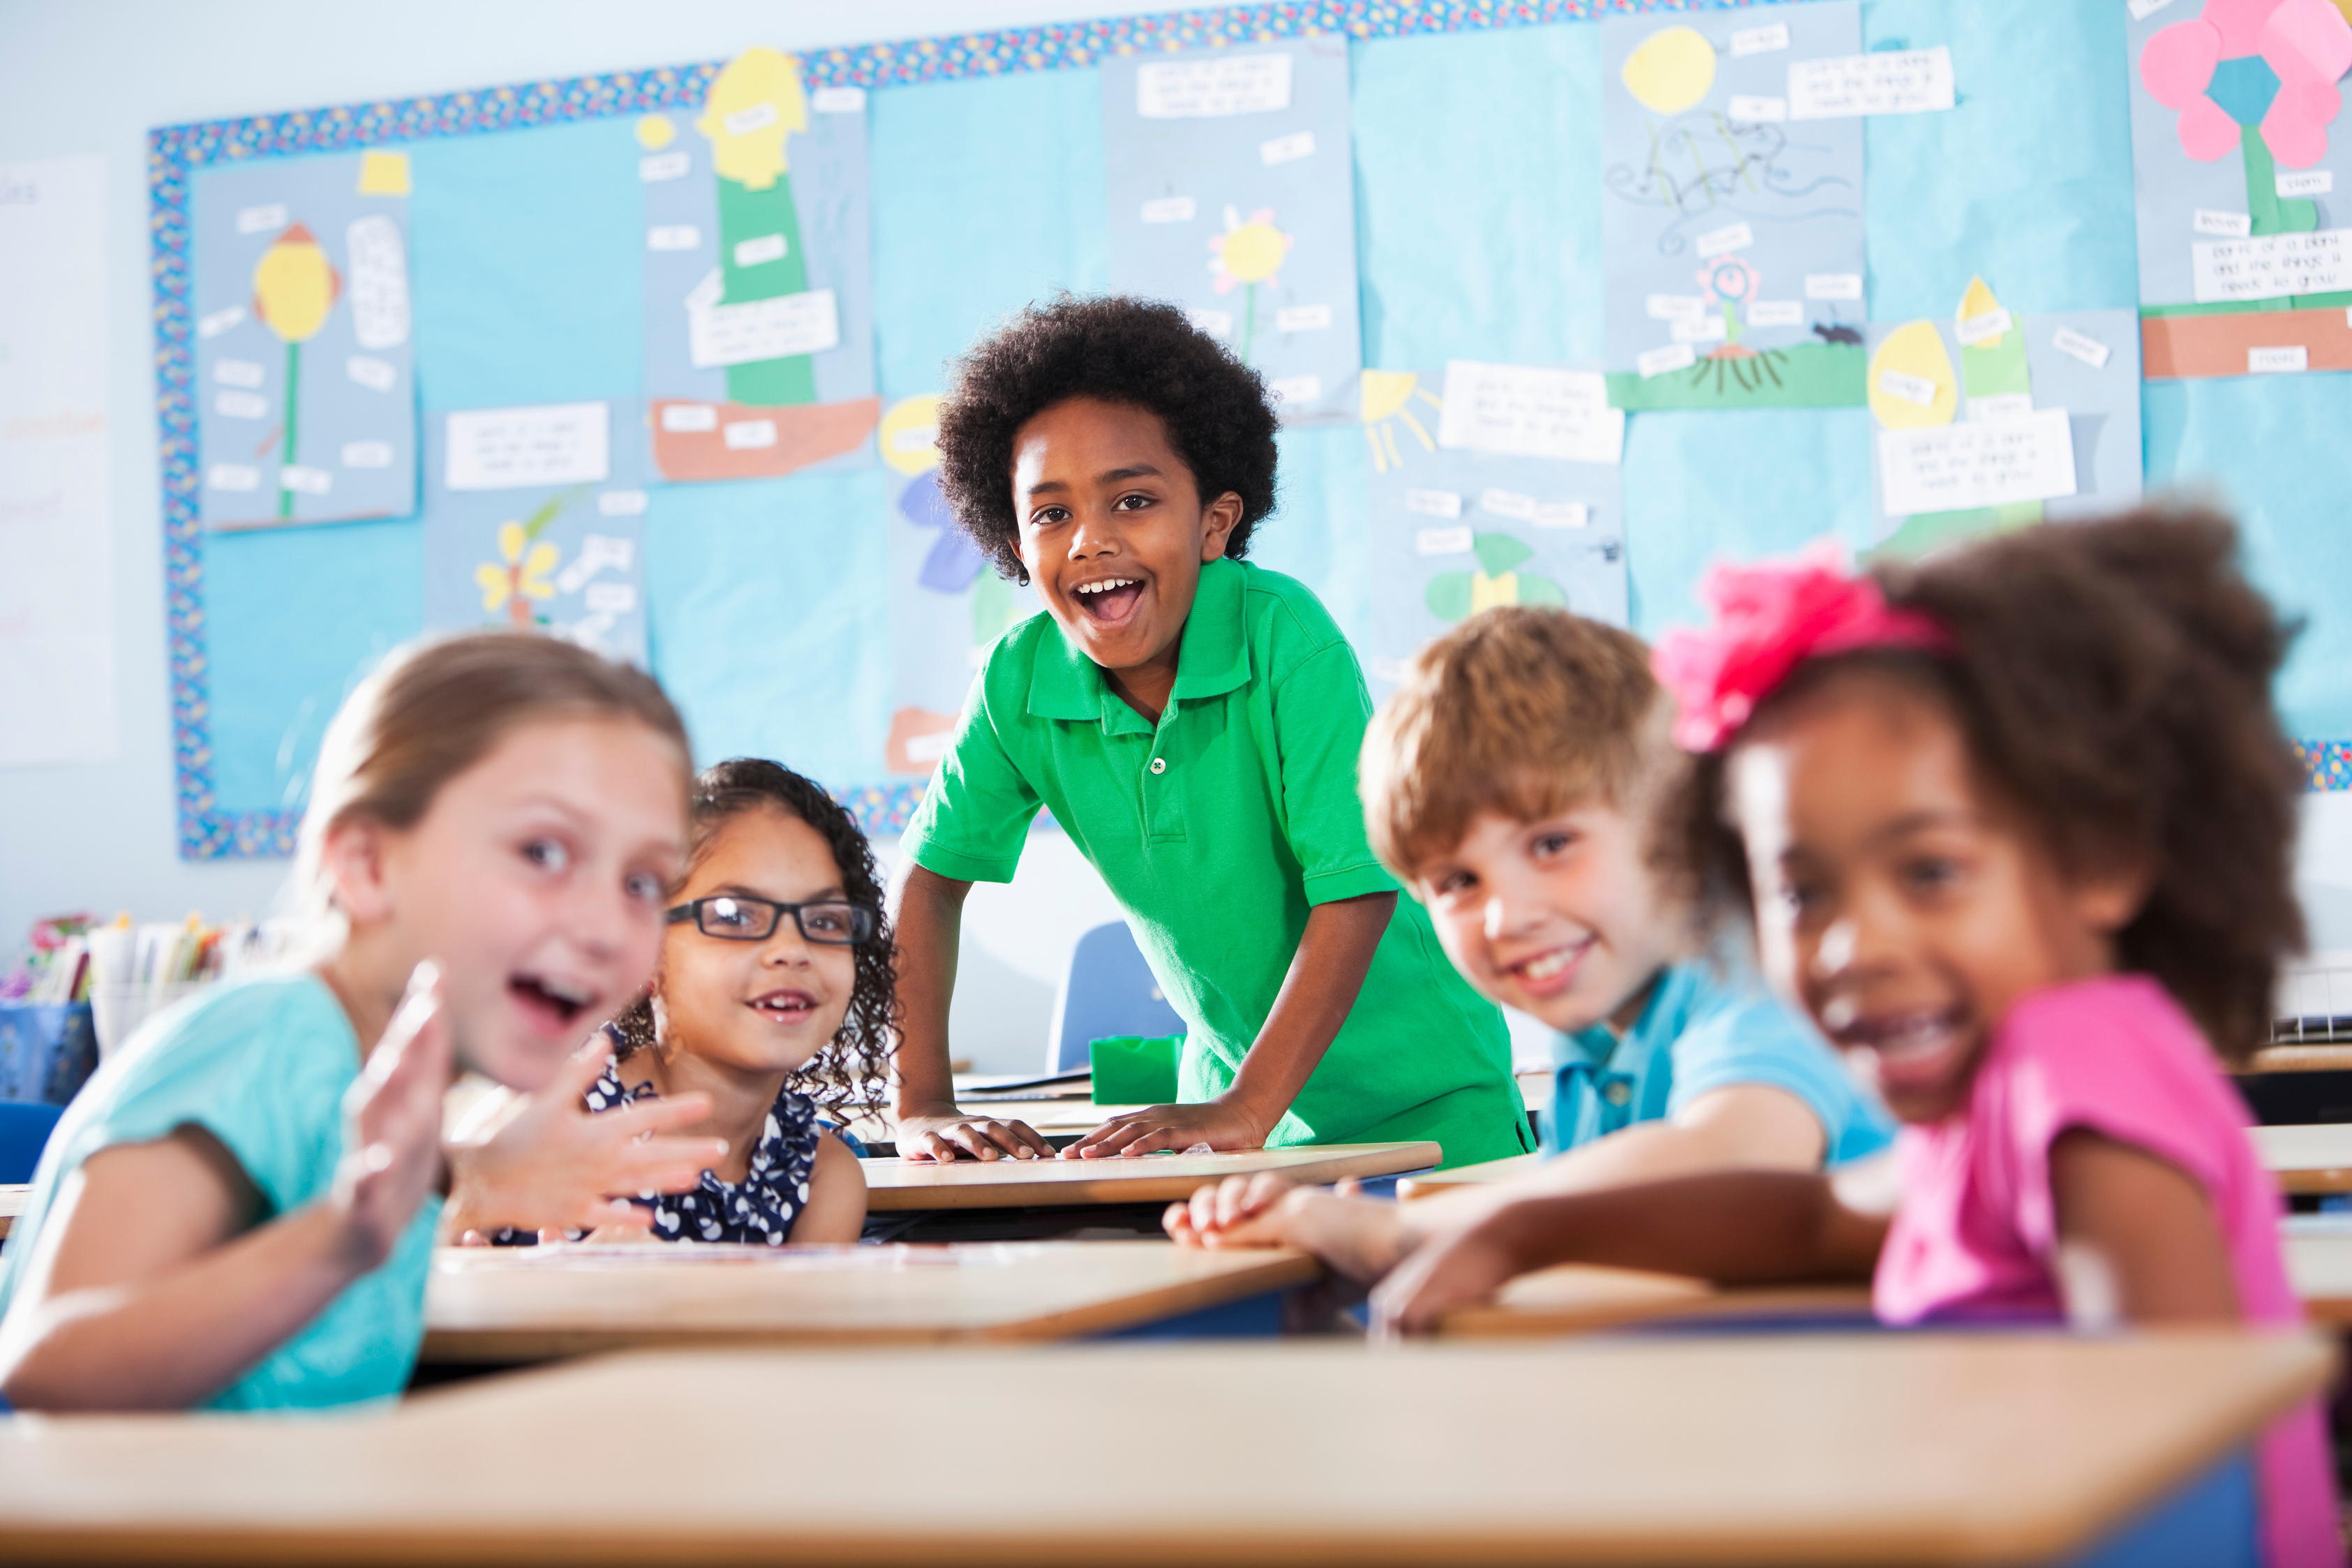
<point x="239" y="1210"/>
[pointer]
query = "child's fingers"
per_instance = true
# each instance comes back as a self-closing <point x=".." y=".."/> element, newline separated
<point x="667" y="1164"/>
<point x="613" y="1214"/>
<point x="579" y="1072"/>
<point x="1177" y="1222"/>
<point x="645" y="1116"/>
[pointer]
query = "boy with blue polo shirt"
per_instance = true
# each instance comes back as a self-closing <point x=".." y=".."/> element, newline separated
<point x="1514" y="782"/>
<point x="1192" y="723"/>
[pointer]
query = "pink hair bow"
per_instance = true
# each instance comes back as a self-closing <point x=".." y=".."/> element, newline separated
<point x="1768" y="620"/>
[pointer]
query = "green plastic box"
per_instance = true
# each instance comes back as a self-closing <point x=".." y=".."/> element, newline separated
<point x="1135" y="1070"/>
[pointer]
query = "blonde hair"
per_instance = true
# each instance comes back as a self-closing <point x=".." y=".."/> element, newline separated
<point x="435" y="708"/>
<point x="1523" y="712"/>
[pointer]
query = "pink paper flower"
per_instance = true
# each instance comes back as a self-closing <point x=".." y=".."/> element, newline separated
<point x="2307" y="45"/>
<point x="1730" y="279"/>
<point x="1768" y="620"/>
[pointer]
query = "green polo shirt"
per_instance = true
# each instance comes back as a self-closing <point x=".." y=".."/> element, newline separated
<point x="1218" y="831"/>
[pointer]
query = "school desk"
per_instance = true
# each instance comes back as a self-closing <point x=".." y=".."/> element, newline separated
<point x="894" y="1186"/>
<point x="2298" y="1084"/>
<point x="1995" y="1449"/>
<point x="2308" y="1159"/>
<point x="1483" y="1173"/>
<point x="12" y="1204"/>
<point x="513" y="1304"/>
<point x="1579" y="1298"/>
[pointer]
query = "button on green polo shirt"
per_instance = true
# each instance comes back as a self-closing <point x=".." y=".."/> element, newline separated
<point x="1218" y="831"/>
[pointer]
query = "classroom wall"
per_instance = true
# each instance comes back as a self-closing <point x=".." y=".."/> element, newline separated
<point x="92" y="76"/>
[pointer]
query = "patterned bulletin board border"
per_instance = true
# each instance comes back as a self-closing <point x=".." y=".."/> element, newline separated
<point x="207" y="831"/>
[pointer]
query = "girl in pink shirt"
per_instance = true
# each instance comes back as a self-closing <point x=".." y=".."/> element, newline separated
<point x="2015" y="827"/>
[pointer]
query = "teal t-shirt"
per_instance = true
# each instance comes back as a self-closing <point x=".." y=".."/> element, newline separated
<point x="262" y="1065"/>
<point x="1705" y="1028"/>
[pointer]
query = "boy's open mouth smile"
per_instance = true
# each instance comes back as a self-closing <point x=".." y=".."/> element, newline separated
<point x="1552" y="971"/>
<point x="1108" y="601"/>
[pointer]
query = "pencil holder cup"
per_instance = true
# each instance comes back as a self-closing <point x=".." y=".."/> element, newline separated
<point x="47" y="1050"/>
<point x="1135" y="1070"/>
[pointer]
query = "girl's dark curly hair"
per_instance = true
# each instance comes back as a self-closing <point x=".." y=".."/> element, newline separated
<point x="2112" y="683"/>
<point x="1139" y="352"/>
<point x="848" y="1077"/>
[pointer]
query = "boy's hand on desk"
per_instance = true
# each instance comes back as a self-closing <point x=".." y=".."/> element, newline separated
<point x="1450" y="1270"/>
<point x="555" y="1166"/>
<point x="951" y="1134"/>
<point x="1219" y="1123"/>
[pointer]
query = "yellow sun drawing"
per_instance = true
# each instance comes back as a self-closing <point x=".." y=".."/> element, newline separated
<point x="1386" y="395"/>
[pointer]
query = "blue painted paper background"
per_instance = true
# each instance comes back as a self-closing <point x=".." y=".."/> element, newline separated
<point x="1477" y="159"/>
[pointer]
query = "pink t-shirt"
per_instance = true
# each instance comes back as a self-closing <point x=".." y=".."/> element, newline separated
<point x="1977" y="1235"/>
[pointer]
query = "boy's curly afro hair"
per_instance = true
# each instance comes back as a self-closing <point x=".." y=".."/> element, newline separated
<point x="1139" y="352"/>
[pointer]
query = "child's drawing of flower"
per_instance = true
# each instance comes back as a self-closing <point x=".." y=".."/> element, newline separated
<point x="1250" y="252"/>
<point x="1730" y="279"/>
<point x="2267" y="66"/>
<point x="521" y="579"/>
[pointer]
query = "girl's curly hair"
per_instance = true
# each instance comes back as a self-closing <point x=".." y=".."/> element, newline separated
<point x="1139" y="352"/>
<point x="850" y="1075"/>
<point x="2112" y="680"/>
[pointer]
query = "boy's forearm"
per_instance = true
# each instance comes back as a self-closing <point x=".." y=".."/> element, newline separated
<point x="1735" y="1228"/>
<point x="1328" y="972"/>
<point x="931" y="918"/>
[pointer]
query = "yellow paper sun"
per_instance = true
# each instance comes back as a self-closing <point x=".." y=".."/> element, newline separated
<point x="909" y="434"/>
<point x="753" y="106"/>
<point x="1386" y="395"/>
<point x="523" y="577"/>
<point x="1250" y="252"/>
<point x="1671" y="71"/>
<point x="294" y="286"/>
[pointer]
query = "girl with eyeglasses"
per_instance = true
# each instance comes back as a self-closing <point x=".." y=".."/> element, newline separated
<point x="773" y="1001"/>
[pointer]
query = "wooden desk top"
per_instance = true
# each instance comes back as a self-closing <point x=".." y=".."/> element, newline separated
<point x="895" y="1184"/>
<point x="1809" y="1449"/>
<point x="1577" y="1298"/>
<point x="2300" y="1059"/>
<point x="510" y="1304"/>
<point x="1485" y="1173"/>
<point x="2313" y="1159"/>
<point x="12" y="1204"/>
<point x="2319" y="1261"/>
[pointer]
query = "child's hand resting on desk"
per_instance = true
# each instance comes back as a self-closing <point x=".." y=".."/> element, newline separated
<point x="1357" y="1237"/>
<point x="955" y="1135"/>
<point x="555" y="1166"/>
<point x="1219" y="1123"/>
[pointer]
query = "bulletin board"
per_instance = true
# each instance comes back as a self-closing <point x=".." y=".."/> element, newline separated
<point x="775" y="608"/>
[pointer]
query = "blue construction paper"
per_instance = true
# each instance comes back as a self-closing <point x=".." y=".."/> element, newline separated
<point x="1183" y="190"/>
<point x="355" y="386"/>
<point x="1672" y="177"/>
<point x="596" y="535"/>
<point x="1436" y="514"/>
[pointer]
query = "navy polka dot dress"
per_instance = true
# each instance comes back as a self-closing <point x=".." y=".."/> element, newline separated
<point x="761" y="1209"/>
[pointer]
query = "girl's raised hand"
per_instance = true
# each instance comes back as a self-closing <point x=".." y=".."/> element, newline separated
<point x="555" y="1166"/>
<point x="392" y="1115"/>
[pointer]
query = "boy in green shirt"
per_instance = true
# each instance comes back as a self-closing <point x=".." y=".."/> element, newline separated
<point x="1192" y="722"/>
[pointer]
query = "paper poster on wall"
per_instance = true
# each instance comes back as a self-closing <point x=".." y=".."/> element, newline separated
<point x="1987" y="421"/>
<point x="948" y="605"/>
<point x="2242" y="168"/>
<point x="1469" y="509"/>
<point x="1233" y="194"/>
<point x="758" y="314"/>
<point x="306" y="405"/>
<point x="56" y="530"/>
<point x="534" y="518"/>
<point x="1731" y="202"/>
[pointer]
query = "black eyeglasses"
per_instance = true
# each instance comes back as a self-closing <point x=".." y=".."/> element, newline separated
<point x="733" y="917"/>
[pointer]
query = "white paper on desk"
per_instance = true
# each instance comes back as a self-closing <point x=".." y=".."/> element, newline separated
<point x="1951" y="467"/>
<point x="57" y="531"/>
<point x="510" y="448"/>
<point x="1528" y="411"/>
<point x="1888" y="81"/>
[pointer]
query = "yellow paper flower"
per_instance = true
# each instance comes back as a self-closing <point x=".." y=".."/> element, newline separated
<point x="754" y="105"/>
<point x="523" y="577"/>
<point x="294" y="286"/>
<point x="1250" y="252"/>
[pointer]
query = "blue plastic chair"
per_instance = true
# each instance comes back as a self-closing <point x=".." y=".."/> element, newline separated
<point x="1108" y="990"/>
<point x="24" y="1129"/>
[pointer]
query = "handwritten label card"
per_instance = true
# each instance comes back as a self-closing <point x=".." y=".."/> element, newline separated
<point x="1949" y="467"/>
<point x="510" y="448"/>
<point x="2271" y="266"/>
<point x="1190" y="90"/>
<point x="1527" y="412"/>
<point x="1891" y="81"/>
<point x="789" y="324"/>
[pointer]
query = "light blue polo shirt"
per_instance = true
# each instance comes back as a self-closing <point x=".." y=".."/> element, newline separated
<point x="262" y="1065"/>
<point x="1705" y="1029"/>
